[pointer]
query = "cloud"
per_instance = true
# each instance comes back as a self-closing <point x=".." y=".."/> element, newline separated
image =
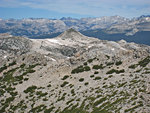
<point x="85" y="7"/>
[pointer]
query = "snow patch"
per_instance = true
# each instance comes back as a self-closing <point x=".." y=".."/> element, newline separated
<point x="50" y="58"/>
<point x="5" y="56"/>
<point x="53" y="59"/>
<point x="90" y="46"/>
<point x="68" y="57"/>
<point x="112" y="49"/>
<point x="54" y="41"/>
<point x="147" y="18"/>
<point x="123" y="49"/>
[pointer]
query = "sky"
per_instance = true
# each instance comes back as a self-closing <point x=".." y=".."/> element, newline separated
<point x="19" y="9"/>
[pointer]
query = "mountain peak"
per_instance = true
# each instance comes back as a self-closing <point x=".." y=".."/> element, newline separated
<point x="66" y="18"/>
<point x="71" y="30"/>
<point x="70" y="34"/>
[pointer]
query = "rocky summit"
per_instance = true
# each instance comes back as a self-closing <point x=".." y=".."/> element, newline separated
<point x="73" y="73"/>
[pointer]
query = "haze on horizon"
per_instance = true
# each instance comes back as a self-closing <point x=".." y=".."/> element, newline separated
<point x="72" y="8"/>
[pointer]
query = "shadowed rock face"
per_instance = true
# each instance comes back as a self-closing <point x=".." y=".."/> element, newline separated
<point x="16" y="45"/>
<point x="73" y="73"/>
<point x="64" y="50"/>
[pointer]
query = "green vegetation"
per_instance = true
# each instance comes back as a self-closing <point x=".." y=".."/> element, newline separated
<point x="110" y="76"/>
<point x="12" y="63"/>
<point x="64" y="84"/>
<point x="75" y="108"/>
<point x="80" y="69"/>
<point x="118" y="63"/>
<point x="115" y="71"/>
<point x="81" y="79"/>
<point x="26" y="79"/>
<point x="38" y="108"/>
<point x="30" y="89"/>
<point x="96" y="72"/>
<point x="110" y="63"/>
<point x="100" y="101"/>
<point x="97" y="78"/>
<point x="41" y="94"/>
<point x="22" y="65"/>
<point x="91" y="60"/>
<point x="132" y="109"/>
<point x="33" y="66"/>
<point x="133" y="66"/>
<point x="87" y="68"/>
<point x="49" y="110"/>
<point x="85" y="63"/>
<point x="6" y="104"/>
<point x="144" y="62"/>
<point x="65" y="77"/>
<point x="86" y="83"/>
<point x="108" y="56"/>
<point x="29" y="69"/>
<point x="62" y="98"/>
<point x="122" y="84"/>
<point x="70" y="101"/>
<point x="98" y="67"/>
<point x="134" y="81"/>
<point x="91" y="76"/>
<point x="105" y="78"/>
<point x="8" y="76"/>
<point x="49" y="85"/>
<point x="137" y="71"/>
<point x="20" y="105"/>
<point x="3" y="68"/>
<point x="146" y="72"/>
<point x="73" y="92"/>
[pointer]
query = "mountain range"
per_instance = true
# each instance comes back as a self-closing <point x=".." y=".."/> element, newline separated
<point x="107" y="28"/>
<point x="73" y="73"/>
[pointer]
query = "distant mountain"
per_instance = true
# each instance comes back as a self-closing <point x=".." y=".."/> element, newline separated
<point x="106" y="27"/>
<point x="144" y="16"/>
<point x="141" y="37"/>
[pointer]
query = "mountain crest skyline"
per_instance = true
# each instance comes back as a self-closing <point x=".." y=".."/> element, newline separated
<point x="70" y="17"/>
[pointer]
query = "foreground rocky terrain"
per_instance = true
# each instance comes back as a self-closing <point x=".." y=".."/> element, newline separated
<point x="73" y="73"/>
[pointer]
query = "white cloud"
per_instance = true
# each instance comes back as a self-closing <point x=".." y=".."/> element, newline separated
<point x="86" y="7"/>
